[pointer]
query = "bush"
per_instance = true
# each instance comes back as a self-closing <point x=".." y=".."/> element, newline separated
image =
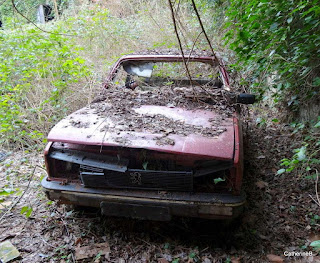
<point x="279" y="40"/>
<point x="35" y="74"/>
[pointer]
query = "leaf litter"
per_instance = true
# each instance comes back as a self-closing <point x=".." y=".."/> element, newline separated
<point x="120" y="104"/>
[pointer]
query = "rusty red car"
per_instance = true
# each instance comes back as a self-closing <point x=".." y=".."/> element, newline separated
<point x="154" y="144"/>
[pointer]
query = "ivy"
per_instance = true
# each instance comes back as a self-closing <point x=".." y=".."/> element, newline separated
<point x="279" y="40"/>
<point x="305" y="159"/>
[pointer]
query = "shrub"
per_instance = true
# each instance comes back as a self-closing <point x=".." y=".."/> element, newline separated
<point x="279" y="40"/>
<point x="35" y="73"/>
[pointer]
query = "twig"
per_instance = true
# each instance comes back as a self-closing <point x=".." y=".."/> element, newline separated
<point x="144" y="241"/>
<point x="45" y="31"/>
<point x="204" y="32"/>
<point x="179" y="24"/>
<point x="73" y="259"/>
<point x="314" y="200"/>
<point x="56" y="8"/>
<point x="179" y="41"/>
<point x="3" y="2"/>
<point x="221" y="66"/>
<point x="46" y="242"/>
<point x="193" y="45"/>
<point x="15" y="203"/>
<point x="316" y="186"/>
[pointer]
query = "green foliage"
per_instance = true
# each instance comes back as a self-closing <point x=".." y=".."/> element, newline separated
<point x="306" y="158"/>
<point x="107" y="36"/>
<point x="28" y="9"/>
<point x="261" y="122"/>
<point x="316" y="245"/>
<point x="6" y="191"/>
<point x="35" y="72"/>
<point x="279" y="40"/>
<point x="218" y="180"/>
<point x="27" y="211"/>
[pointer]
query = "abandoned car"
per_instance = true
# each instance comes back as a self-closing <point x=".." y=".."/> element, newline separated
<point x="154" y="144"/>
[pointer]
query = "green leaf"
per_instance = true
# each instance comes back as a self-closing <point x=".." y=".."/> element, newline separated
<point x="218" y="180"/>
<point x="6" y="191"/>
<point x="27" y="210"/>
<point x="315" y="244"/>
<point x="316" y="81"/>
<point x="302" y="153"/>
<point x="192" y="255"/>
<point x="145" y="165"/>
<point x="281" y="171"/>
<point x="315" y="161"/>
<point x="274" y="26"/>
<point x="271" y="53"/>
<point x="275" y="120"/>
<point x="317" y="125"/>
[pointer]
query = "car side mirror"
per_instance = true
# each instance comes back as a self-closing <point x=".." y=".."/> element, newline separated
<point x="245" y="98"/>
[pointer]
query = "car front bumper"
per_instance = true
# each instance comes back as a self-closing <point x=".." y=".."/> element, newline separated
<point x="143" y="204"/>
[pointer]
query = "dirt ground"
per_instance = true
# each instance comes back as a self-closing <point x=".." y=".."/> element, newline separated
<point x="280" y="216"/>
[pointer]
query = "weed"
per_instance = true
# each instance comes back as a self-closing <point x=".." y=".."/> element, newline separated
<point x="306" y="159"/>
<point x="34" y="83"/>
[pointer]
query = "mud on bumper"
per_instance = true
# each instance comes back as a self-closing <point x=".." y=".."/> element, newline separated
<point x="150" y="205"/>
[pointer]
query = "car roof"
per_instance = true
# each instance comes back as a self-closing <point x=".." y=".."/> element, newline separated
<point x="168" y="58"/>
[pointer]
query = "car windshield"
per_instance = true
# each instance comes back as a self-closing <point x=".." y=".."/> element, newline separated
<point x="146" y="74"/>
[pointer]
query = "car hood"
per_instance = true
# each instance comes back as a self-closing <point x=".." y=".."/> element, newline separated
<point x="88" y="127"/>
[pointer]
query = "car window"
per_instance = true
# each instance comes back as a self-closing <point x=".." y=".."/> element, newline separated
<point x="157" y="74"/>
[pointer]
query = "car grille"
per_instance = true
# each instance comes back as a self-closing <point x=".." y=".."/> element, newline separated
<point x="135" y="178"/>
<point x="107" y="171"/>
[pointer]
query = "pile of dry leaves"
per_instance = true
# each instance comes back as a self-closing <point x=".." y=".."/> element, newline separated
<point x="119" y="104"/>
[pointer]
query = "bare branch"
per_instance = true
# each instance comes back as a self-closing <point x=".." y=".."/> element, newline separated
<point x="193" y="45"/>
<point x="180" y="45"/>
<point x="203" y="30"/>
<point x="221" y="66"/>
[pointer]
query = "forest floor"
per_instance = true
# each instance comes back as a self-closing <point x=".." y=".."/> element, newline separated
<point x="280" y="215"/>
